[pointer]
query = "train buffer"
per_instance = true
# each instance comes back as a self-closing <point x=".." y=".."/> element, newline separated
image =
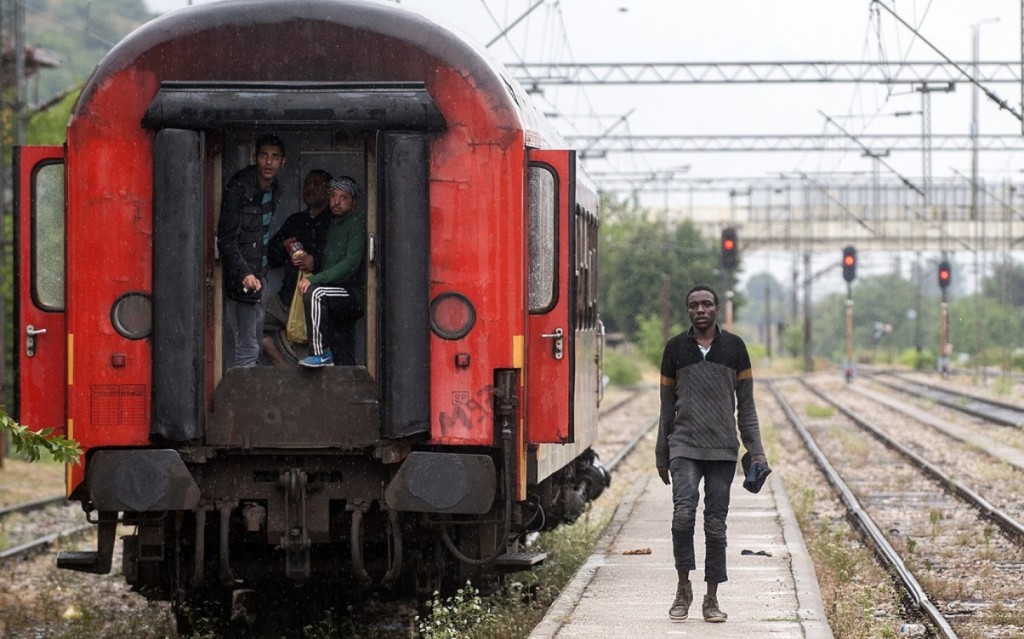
<point x="625" y="588"/>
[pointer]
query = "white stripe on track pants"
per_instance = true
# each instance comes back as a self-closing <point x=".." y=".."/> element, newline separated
<point x="331" y="314"/>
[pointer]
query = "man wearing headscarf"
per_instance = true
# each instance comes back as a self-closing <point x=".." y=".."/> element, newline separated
<point x="335" y="298"/>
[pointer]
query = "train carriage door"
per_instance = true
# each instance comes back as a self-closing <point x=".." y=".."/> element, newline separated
<point x="40" y="334"/>
<point x="550" y="368"/>
<point x="404" y="265"/>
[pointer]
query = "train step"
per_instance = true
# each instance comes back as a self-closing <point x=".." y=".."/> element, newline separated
<point x="81" y="560"/>
<point x="513" y="561"/>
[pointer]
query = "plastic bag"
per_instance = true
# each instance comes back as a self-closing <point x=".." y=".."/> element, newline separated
<point x="295" y="329"/>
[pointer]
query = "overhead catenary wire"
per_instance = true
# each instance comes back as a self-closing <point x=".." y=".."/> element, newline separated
<point x="989" y="94"/>
<point x="903" y="179"/>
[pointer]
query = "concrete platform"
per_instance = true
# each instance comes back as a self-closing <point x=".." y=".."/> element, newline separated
<point x="619" y="595"/>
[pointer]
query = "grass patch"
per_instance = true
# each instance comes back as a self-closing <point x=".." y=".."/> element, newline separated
<point x="621" y="368"/>
<point x="22" y="480"/>
<point x="1004" y="385"/>
<point x="819" y="411"/>
<point x="517" y="608"/>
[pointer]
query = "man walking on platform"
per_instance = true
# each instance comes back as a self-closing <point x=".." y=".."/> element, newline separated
<point x="707" y="390"/>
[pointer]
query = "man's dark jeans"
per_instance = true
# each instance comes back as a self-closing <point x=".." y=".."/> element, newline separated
<point x="686" y="476"/>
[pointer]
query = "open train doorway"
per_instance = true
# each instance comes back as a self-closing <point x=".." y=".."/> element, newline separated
<point x="309" y="153"/>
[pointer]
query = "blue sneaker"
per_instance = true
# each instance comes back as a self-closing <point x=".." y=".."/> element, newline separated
<point x="317" y="361"/>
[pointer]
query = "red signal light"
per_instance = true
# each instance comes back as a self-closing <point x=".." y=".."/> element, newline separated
<point x="849" y="263"/>
<point x="945" y="274"/>
<point x="730" y="239"/>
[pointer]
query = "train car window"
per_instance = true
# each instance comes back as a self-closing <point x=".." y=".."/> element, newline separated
<point x="543" y="247"/>
<point x="48" y="236"/>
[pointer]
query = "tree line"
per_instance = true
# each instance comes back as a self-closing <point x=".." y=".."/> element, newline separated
<point x="896" y="316"/>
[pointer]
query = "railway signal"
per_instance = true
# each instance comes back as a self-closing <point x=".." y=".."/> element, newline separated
<point x="945" y="274"/>
<point x="730" y="248"/>
<point x="849" y="263"/>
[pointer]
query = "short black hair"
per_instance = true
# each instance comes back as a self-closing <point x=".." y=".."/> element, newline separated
<point x="702" y="287"/>
<point x="269" y="139"/>
<point x="322" y="173"/>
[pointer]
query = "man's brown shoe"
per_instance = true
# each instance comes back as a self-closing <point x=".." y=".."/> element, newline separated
<point x="681" y="606"/>
<point x="711" y="612"/>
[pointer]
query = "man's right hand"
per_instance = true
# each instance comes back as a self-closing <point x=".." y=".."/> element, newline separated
<point x="303" y="262"/>
<point x="663" y="473"/>
<point x="251" y="283"/>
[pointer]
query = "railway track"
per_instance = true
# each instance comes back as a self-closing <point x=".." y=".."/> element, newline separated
<point x="616" y="442"/>
<point x="943" y="516"/>
<point x="985" y="408"/>
<point x="29" y="526"/>
<point x="625" y="415"/>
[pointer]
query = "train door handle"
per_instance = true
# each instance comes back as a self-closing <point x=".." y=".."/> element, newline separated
<point x="30" y="339"/>
<point x="558" y="346"/>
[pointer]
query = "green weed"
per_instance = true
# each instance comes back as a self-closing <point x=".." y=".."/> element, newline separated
<point x="817" y="411"/>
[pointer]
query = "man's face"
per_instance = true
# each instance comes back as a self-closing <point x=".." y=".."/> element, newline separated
<point x="342" y="202"/>
<point x="269" y="160"/>
<point x="700" y="306"/>
<point x="314" y="191"/>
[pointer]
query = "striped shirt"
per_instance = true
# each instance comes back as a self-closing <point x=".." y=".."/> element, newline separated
<point x="705" y="398"/>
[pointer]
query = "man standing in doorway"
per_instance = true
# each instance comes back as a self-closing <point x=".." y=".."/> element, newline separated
<point x="335" y="298"/>
<point x="308" y="228"/>
<point x="243" y="233"/>
<point x="707" y="390"/>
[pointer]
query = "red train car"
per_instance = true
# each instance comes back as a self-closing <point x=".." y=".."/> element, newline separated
<point x="469" y="419"/>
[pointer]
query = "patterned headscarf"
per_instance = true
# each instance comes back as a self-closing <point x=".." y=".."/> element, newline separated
<point x="346" y="184"/>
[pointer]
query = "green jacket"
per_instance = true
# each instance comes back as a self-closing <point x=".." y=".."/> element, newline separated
<point x="345" y="256"/>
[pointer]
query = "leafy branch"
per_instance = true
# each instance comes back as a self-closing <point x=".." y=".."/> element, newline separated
<point x="31" y="443"/>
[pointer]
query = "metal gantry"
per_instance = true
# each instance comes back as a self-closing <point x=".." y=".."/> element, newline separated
<point x="802" y="211"/>
<point x="680" y="143"/>
<point x="536" y="75"/>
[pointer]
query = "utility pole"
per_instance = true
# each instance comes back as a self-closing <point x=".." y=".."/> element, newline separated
<point x="4" y="25"/>
<point x="926" y="134"/>
<point x="768" y="318"/>
<point x="979" y="225"/>
<point x="808" y="345"/>
<point x="666" y="317"/>
<point x="12" y="17"/>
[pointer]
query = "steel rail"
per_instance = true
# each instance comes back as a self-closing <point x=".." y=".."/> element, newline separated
<point x="988" y="510"/>
<point x="46" y="540"/>
<point x="952" y="399"/>
<point x="27" y="506"/>
<point x="971" y="396"/>
<point x="633" y="394"/>
<point x="631" y="445"/>
<point x="883" y="549"/>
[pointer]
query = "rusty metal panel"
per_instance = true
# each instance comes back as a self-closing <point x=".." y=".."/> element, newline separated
<point x="271" y="407"/>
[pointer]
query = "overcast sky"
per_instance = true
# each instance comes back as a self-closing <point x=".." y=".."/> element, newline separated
<point x="751" y="30"/>
<point x="605" y="31"/>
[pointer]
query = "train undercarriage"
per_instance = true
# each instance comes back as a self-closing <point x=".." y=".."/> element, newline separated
<point x="365" y="514"/>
